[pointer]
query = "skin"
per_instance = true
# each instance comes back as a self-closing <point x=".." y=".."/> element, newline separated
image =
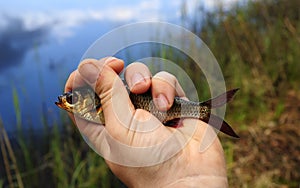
<point x="189" y="167"/>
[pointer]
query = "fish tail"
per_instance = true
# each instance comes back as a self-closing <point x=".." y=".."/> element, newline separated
<point x="221" y="99"/>
<point x="216" y="122"/>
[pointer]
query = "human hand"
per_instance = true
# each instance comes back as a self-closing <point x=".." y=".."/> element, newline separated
<point x="176" y="161"/>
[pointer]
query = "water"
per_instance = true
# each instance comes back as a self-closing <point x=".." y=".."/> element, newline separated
<point x="40" y="75"/>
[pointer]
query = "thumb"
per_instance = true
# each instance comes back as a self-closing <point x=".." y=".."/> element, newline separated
<point x="102" y="76"/>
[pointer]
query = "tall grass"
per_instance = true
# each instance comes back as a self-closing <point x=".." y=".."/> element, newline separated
<point x="9" y="160"/>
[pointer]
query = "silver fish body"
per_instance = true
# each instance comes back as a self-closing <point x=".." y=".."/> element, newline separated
<point x="180" y="109"/>
<point x="83" y="102"/>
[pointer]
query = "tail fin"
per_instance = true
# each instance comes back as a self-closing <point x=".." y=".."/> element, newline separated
<point x="216" y="121"/>
<point x="221" y="99"/>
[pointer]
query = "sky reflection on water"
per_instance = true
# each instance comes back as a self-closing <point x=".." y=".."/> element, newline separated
<point x="40" y="74"/>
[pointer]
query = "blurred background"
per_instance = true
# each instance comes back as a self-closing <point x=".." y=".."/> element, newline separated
<point x="257" y="44"/>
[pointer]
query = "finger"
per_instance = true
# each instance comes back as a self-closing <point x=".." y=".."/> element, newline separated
<point x="102" y="75"/>
<point x="75" y="80"/>
<point x="92" y="69"/>
<point x="138" y="77"/>
<point x="165" y="87"/>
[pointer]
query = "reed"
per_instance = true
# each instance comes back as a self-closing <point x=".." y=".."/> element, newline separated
<point x="9" y="159"/>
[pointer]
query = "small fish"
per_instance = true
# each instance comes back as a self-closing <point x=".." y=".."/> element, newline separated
<point x="85" y="103"/>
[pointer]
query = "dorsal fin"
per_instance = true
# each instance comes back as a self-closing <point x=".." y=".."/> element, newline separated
<point x="221" y="99"/>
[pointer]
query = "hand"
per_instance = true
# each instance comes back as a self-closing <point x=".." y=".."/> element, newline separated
<point x="138" y="149"/>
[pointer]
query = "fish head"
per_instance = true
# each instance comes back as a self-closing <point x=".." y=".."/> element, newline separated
<point x="82" y="102"/>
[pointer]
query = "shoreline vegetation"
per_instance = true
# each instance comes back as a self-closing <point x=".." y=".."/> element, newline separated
<point x="257" y="45"/>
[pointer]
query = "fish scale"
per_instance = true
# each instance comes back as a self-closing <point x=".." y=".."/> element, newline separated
<point x="180" y="109"/>
<point x="85" y="103"/>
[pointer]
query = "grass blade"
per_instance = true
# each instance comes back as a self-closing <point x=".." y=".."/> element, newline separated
<point x="9" y="158"/>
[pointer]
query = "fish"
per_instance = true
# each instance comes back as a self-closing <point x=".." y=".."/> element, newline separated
<point x="85" y="103"/>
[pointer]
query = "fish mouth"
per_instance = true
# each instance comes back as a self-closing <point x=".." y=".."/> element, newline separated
<point x="59" y="102"/>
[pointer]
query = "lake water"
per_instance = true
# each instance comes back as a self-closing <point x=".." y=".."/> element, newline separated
<point x="40" y="75"/>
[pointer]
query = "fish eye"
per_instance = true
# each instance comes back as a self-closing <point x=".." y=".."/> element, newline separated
<point x="72" y="98"/>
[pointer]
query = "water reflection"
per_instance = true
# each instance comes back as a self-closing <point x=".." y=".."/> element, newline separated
<point x="16" y="41"/>
<point x="37" y="65"/>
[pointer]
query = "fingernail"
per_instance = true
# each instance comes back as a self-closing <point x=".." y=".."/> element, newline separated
<point x="161" y="102"/>
<point x="110" y="59"/>
<point x="136" y="78"/>
<point x="89" y="72"/>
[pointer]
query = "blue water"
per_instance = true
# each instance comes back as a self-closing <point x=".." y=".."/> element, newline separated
<point x="40" y="76"/>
